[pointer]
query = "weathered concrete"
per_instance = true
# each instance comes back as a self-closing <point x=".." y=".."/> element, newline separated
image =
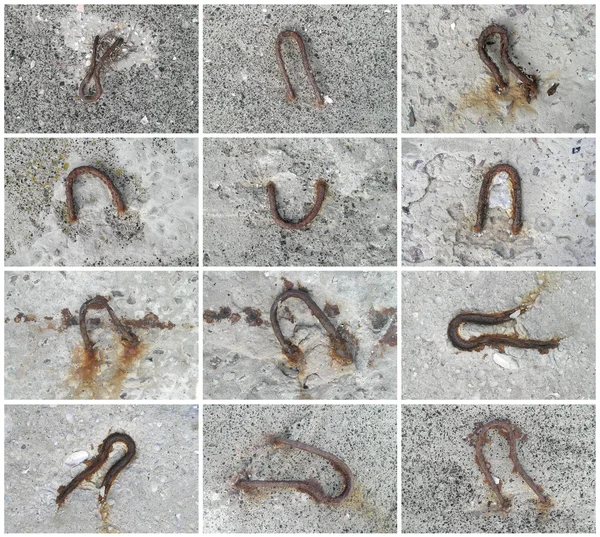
<point x="447" y="88"/>
<point x="356" y="225"/>
<point x="441" y="180"/>
<point x="235" y="441"/>
<point x="352" y="51"/>
<point x="44" y="356"/>
<point x="146" y="496"/>
<point x="443" y="489"/>
<point x="243" y="359"/>
<point x="563" y="307"/>
<point x="157" y="179"/>
<point x="152" y="87"/>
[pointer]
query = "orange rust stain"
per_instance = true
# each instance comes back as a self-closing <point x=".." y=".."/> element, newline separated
<point x="150" y="320"/>
<point x="86" y="367"/>
<point x="211" y="316"/>
<point x="27" y="318"/>
<point x="343" y="347"/>
<point x="287" y="284"/>
<point x="129" y="355"/>
<point x="90" y="382"/>
<point x="331" y="310"/>
<point x="253" y="316"/>
<point x="494" y="105"/>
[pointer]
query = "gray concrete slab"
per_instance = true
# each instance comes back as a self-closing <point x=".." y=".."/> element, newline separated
<point x="356" y="225"/>
<point x="146" y="497"/>
<point x="244" y="360"/>
<point x="443" y="489"/>
<point x="441" y="180"/>
<point x="152" y="87"/>
<point x="563" y="306"/>
<point x="447" y="88"/>
<point x="363" y="436"/>
<point x="157" y="179"/>
<point x="45" y="357"/>
<point x="352" y="51"/>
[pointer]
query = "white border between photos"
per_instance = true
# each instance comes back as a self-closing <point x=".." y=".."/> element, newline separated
<point x="398" y="268"/>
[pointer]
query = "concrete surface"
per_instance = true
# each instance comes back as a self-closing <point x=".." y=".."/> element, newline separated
<point x="443" y="489"/>
<point x="243" y="359"/>
<point x="44" y="356"/>
<point x="564" y="307"/>
<point x="157" y="179"/>
<point x="352" y="51"/>
<point x="447" y="88"/>
<point x="441" y="180"/>
<point x="146" y="496"/>
<point x="363" y="436"/>
<point x="356" y="225"/>
<point x="153" y="87"/>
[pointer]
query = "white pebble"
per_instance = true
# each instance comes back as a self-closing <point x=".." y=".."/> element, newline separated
<point x="70" y="417"/>
<point x="154" y="487"/>
<point x="505" y="361"/>
<point x="76" y="458"/>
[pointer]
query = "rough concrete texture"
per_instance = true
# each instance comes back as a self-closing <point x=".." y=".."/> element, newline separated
<point x="244" y="360"/>
<point x="152" y="87"/>
<point x="44" y="355"/>
<point x="443" y="489"/>
<point x="363" y="436"/>
<point x="157" y="179"/>
<point x="146" y="497"/>
<point x="356" y="225"/>
<point x="352" y="51"/>
<point x="447" y="88"/>
<point x="441" y="181"/>
<point x="563" y="306"/>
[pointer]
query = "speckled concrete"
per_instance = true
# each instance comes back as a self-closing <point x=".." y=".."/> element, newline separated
<point x="43" y="351"/>
<point x="153" y="88"/>
<point x="235" y="441"/>
<point x="432" y="368"/>
<point x="146" y="496"/>
<point x="157" y="179"/>
<point x="352" y="52"/>
<point x="441" y="180"/>
<point x="243" y="359"/>
<point x="443" y="489"/>
<point x="447" y="88"/>
<point x="356" y="225"/>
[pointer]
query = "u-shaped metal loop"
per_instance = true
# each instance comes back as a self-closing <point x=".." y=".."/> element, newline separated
<point x="95" y="69"/>
<point x="290" y="93"/>
<point x="511" y="432"/>
<point x="116" y="196"/>
<point x="528" y="81"/>
<point x="320" y="189"/>
<point x="310" y="486"/>
<point x="494" y="340"/>
<point x="98" y="303"/>
<point x="484" y="197"/>
<point x="340" y="348"/>
<point x="97" y="462"/>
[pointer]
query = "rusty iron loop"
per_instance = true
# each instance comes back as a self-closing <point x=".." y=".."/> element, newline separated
<point x="98" y="303"/>
<point x="479" y="439"/>
<point x="290" y="93"/>
<point x="311" y="486"/>
<point x="484" y="197"/>
<point x="320" y="188"/>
